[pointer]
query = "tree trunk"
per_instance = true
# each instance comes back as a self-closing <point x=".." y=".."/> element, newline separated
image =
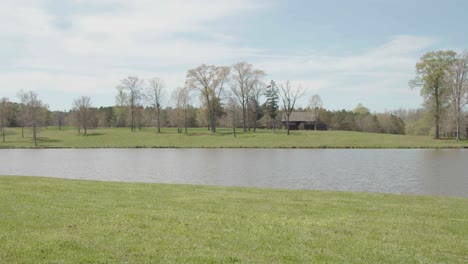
<point x="132" y="122"/>
<point x="213" y="122"/>
<point x="287" y="123"/>
<point x="437" y="116"/>
<point x="256" y="117"/>
<point x="273" y="124"/>
<point x="316" y="120"/>
<point x="22" y="130"/>
<point x="159" y="123"/>
<point x="234" y="124"/>
<point x="3" y="128"/>
<point x="244" y="128"/>
<point x="34" y="134"/>
<point x="185" y="120"/>
<point x="248" y="119"/>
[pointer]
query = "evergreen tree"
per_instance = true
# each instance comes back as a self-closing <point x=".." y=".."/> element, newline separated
<point x="272" y="99"/>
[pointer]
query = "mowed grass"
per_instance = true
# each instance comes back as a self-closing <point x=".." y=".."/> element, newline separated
<point x="202" y="138"/>
<point x="46" y="220"/>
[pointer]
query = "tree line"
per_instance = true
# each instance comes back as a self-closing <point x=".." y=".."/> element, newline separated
<point x="239" y="96"/>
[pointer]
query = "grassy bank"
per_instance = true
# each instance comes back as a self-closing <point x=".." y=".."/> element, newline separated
<point x="201" y="138"/>
<point x="67" y="221"/>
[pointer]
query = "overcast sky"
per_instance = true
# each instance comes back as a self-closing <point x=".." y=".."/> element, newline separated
<point x="349" y="52"/>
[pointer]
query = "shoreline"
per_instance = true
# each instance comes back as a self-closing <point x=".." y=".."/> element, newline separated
<point x="234" y="187"/>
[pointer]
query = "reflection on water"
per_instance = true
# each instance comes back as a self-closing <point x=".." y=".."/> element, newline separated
<point x="430" y="172"/>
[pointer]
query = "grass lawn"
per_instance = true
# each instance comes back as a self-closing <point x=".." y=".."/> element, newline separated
<point x="201" y="138"/>
<point x="46" y="220"/>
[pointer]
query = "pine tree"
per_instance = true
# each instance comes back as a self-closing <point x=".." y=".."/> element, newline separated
<point x="272" y="99"/>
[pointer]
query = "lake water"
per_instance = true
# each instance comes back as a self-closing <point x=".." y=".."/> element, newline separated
<point x="428" y="172"/>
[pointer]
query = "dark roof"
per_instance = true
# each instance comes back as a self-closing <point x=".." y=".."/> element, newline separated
<point x="300" y="117"/>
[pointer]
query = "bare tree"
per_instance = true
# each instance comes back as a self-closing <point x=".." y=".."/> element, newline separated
<point x="258" y="89"/>
<point x="289" y="97"/>
<point x="209" y="80"/>
<point x="45" y="113"/>
<point x="82" y="107"/>
<point x="232" y="105"/>
<point x="457" y="81"/>
<point x="243" y="80"/>
<point x="121" y="106"/>
<point x="22" y="97"/>
<point x="33" y="112"/>
<point x="154" y="96"/>
<point x="132" y="86"/>
<point x="3" y="112"/>
<point x="315" y="103"/>
<point x="181" y="98"/>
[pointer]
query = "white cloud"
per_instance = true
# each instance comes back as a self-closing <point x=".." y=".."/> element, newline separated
<point x="112" y="39"/>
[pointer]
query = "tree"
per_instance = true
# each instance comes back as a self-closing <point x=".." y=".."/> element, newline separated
<point x="289" y="97"/>
<point x="457" y="82"/>
<point x="181" y="97"/>
<point x="258" y="89"/>
<point x="32" y="112"/>
<point x="430" y="74"/>
<point x="209" y="80"/>
<point x="22" y="97"/>
<point x="243" y="79"/>
<point x="361" y="110"/>
<point x="232" y="105"/>
<point x="3" y="113"/>
<point x="121" y="105"/>
<point x="82" y="107"/>
<point x="272" y="100"/>
<point x="315" y="104"/>
<point x="154" y="95"/>
<point x="130" y="89"/>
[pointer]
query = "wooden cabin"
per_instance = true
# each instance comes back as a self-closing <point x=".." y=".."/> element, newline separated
<point x="302" y="121"/>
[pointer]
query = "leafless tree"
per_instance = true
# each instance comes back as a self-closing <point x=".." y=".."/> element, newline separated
<point x="243" y="79"/>
<point x="33" y="112"/>
<point x="154" y="96"/>
<point x="457" y="81"/>
<point x="3" y="112"/>
<point x="131" y="87"/>
<point x="82" y="106"/>
<point x="209" y="80"/>
<point x="22" y="97"/>
<point x="232" y="105"/>
<point x="121" y="106"/>
<point x="315" y="103"/>
<point x="181" y="98"/>
<point x="258" y="89"/>
<point x="289" y="96"/>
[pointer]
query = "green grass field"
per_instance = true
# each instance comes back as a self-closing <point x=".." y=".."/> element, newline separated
<point x="45" y="220"/>
<point x="201" y="138"/>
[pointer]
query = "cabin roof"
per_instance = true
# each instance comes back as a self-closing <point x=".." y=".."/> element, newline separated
<point x="300" y="117"/>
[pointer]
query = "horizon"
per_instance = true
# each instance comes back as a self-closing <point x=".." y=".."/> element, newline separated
<point x="348" y="53"/>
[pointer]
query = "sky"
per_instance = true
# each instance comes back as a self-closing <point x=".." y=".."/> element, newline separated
<point x="348" y="52"/>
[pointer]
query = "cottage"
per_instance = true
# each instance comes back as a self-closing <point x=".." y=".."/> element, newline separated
<point x="302" y="121"/>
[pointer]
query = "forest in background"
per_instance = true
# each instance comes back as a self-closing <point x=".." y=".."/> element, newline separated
<point x="238" y="97"/>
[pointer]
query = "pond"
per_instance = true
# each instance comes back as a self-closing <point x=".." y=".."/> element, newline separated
<point x="409" y="171"/>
